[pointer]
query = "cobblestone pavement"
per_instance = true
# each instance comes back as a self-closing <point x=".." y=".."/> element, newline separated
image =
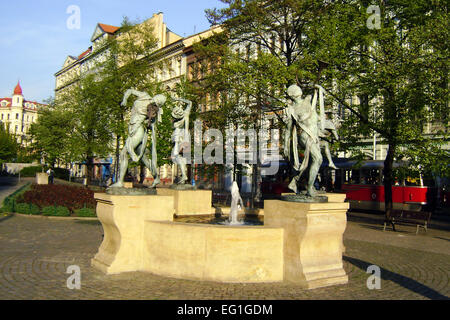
<point x="35" y="254"/>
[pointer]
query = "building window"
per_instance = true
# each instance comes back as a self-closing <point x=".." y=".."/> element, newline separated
<point x="17" y="116"/>
<point x="8" y="116"/>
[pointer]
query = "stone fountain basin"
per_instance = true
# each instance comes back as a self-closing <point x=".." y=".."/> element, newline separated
<point x="213" y="252"/>
<point x="300" y="242"/>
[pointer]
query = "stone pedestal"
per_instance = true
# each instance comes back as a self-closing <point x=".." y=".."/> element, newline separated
<point x="123" y="220"/>
<point x="41" y="178"/>
<point x="190" y="202"/>
<point x="313" y="240"/>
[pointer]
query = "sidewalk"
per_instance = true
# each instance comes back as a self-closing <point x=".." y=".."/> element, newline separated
<point x="6" y="190"/>
<point x="369" y="227"/>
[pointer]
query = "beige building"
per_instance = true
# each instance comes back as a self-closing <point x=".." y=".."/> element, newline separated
<point x="17" y="114"/>
<point x="75" y="66"/>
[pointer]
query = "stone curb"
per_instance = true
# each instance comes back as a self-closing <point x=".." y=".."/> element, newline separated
<point x="53" y="218"/>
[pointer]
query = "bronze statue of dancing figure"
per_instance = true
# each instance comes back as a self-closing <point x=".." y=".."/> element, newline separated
<point x="146" y="112"/>
<point x="302" y="115"/>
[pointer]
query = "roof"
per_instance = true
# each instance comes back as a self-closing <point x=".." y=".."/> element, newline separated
<point x="9" y="100"/>
<point x="81" y="56"/>
<point x="18" y="89"/>
<point x="108" y="29"/>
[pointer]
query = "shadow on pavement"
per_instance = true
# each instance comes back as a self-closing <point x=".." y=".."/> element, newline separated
<point x="89" y="222"/>
<point x="378" y="219"/>
<point x="6" y="218"/>
<point x="403" y="281"/>
<point x="442" y="238"/>
<point x="388" y="229"/>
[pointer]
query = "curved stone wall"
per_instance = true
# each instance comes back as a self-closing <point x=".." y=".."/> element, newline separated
<point x="213" y="252"/>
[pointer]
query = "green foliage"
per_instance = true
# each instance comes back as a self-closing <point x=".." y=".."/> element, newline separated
<point x="85" y="212"/>
<point x="8" y="145"/>
<point x="6" y="208"/>
<point x="163" y="137"/>
<point x="61" y="173"/>
<point x="399" y="73"/>
<point x="51" y="134"/>
<point x="30" y="171"/>
<point x="27" y="208"/>
<point x="56" y="211"/>
<point x="10" y="201"/>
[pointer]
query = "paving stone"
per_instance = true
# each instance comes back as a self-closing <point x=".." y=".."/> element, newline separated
<point x="35" y="254"/>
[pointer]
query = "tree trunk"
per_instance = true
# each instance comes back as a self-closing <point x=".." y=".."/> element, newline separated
<point x="90" y="169"/>
<point x="388" y="181"/>
<point x="116" y="164"/>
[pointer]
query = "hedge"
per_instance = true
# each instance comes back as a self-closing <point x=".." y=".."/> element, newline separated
<point x="85" y="212"/>
<point x="27" y="208"/>
<point x="30" y="171"/>
<point x="56" y="211"/>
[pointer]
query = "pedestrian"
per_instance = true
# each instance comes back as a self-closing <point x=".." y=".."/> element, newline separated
<point x="51" y="175"/>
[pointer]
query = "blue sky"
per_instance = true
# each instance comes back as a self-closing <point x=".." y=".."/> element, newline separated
<point x="35" y="40"/>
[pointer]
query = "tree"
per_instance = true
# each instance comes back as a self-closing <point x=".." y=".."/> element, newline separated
<point x="8" y="145"/>
<point x="89" y="134"/>
<point x="265" y="47"/>
<point x="398" y="70"/>
<point x="50" y="134"/>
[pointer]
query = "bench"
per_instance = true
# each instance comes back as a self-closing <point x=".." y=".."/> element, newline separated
<point x="221" y="198"/>
<point x="418" y="218"/>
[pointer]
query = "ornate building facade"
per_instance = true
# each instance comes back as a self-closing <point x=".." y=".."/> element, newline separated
<point x="17" y="115"/>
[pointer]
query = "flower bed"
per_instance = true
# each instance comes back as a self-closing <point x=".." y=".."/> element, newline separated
<point x="71" y="197"/>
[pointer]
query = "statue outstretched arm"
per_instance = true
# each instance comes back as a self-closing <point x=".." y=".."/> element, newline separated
<point x="128" y="93"/>
<point x="188" y="103"/>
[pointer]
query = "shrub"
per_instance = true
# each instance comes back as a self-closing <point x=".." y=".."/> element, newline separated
<point x="7" y="208"/>
<point x="61" y="173"/>
<point x="27" y="208"/>
<point x="85" y="212"/>
<point x="30" y="171"/>
<point x="56" y="211"/>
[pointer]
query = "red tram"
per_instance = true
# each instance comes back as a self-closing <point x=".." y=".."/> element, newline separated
<point x="363" y="185"/>
<point x="365" y="190"/>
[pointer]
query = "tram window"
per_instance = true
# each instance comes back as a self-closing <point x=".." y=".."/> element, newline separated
<point x="370" y="176"/>
<point x="355" y="179"/>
